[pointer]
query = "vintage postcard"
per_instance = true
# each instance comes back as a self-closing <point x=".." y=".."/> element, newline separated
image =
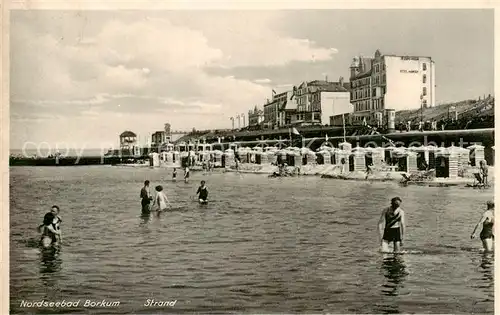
<point x="257" y="159"/>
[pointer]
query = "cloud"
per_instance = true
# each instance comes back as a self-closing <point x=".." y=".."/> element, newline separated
<point x="262" y="81"/>
<point x="144" y="66"/>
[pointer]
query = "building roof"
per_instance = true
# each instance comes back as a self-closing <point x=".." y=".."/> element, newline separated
<point x="128" y="133"/>
<point x="328" y="87"/>
<point x="270" y="103"/>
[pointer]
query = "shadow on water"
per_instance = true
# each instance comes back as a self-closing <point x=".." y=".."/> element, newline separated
<point x="50" y="260"/>
<point x="395" y="273"/>
<point x="487" y="269"/>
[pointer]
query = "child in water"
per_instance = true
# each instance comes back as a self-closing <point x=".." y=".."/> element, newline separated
<point x="202" y="193"/>
<point x="161" y="199"/>
<point x="57" y="221"/>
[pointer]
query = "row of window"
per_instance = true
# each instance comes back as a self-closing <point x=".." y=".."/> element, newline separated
<point x="360" y="82"/>
<point x="365" y="93"/>
<point x="369" y="105"/>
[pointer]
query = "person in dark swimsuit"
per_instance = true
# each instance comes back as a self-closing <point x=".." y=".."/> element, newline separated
<point x="174" y="174"/>
<point x="392" y="226"/>
<point x="145" y="197"/>
<point x="202" y="193"/>
<point x="49" y="233"/>
<point x="487" y="221"/>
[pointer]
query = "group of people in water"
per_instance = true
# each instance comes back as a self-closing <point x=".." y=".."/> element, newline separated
<point x="160" y="201"/>
<point x="392" y="226"/>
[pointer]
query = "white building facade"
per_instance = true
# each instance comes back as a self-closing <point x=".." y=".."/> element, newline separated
<point x="391" y="82"/>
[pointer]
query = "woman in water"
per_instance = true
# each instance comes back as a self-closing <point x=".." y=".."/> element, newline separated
<point x="161" y="199"/>
<point x="487" y="220"/>
<point x="49" y="233"/>
<point x="392" y="226"/>
<point x="202" y="193"/>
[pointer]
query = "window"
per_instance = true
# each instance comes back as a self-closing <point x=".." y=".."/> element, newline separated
<point x="424" y="91"/>
<point x="383" y="78"/>
<point x="383" y="67"/>
<point x="424" y="66"/>
<point x="424" y="79"/>
<point x="374" y="92"/>
<point x="424" y="103"/>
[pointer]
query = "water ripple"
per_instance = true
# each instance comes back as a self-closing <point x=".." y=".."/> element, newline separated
<point x="301" y="245"/>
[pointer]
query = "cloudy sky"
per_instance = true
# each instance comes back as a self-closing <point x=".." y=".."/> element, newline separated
<point x="83" y="77"/>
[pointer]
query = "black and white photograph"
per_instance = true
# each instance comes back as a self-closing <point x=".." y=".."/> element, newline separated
<point x="250" y="161"/>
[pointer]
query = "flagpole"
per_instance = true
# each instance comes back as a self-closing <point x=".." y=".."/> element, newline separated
<point x="343" y="123"/>
<point x="290" y="135"/>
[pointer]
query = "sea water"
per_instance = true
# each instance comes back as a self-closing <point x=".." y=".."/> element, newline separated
<point x="262" y="245"/>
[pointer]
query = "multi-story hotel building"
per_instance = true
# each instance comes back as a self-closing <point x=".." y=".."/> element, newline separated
<point x="318" y="100"/>
<point x="390" y="82"/>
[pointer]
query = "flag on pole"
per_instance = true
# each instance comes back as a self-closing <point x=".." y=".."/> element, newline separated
<point x="294" y="131"/>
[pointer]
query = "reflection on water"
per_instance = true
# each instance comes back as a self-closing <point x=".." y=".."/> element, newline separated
<point x="394" y="270"/>
<point x="487" y="270"/>
<point x="50" y="260"/>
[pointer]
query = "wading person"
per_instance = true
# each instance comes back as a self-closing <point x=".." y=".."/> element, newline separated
<point x="56" y="222"/>
<point x="202" y="193"/>
<point x="174" y="175"/>
<point x="161" y="199"/>
<point x="487" y="220"/>
<point x="391" y="226"/>
<point x="186" y="174"/>
<point x="145" y="197"/>
<point x="49" y="234"/>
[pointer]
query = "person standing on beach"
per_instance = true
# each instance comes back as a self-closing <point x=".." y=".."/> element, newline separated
<point x="145" y="197"/>
<point x="487" y="220"/>
<point x="483" y="170"/>
<point x="391" y="226"/>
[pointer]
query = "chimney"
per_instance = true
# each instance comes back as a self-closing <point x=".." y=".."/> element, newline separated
<point x="326" y="78"/>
